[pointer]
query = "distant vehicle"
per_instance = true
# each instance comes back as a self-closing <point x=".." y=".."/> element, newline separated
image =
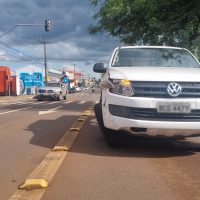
<point x="85" y="88"/>
<point x="92" y="89"/>
<point x="52" y="91"/>
<point x="78" y="89"/>
<point x="149" y="87"/>
<point x="72" y="90"/>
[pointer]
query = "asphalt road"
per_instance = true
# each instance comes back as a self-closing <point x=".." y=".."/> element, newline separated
<point x="28" y="130"/>
<point x="144" y="168"/>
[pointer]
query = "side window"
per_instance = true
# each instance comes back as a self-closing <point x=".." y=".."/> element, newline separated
<point x="115" y="61"/>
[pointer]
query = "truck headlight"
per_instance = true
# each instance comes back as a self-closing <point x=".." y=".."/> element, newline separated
<point x="122" y="87"/>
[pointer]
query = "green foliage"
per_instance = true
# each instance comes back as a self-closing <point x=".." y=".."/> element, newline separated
<point x="155" y="22"/>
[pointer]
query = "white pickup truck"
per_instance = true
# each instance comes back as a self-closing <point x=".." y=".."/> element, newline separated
<point x="152" y="90"/>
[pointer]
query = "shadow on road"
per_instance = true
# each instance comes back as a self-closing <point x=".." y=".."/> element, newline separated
<point x="48" y="132"/>
<point x="91" y="141"/>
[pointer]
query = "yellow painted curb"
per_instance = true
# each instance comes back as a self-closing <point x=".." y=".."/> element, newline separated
<point x="74" y="129"/>
<point x="87" y="111"/>
<point x="81" y="120"/>
<point x="85" y="114"/>
<point x="60" y="148"/>
<point x="32" y="184"/>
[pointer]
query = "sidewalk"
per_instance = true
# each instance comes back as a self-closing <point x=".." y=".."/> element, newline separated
<point x="15" y="98"/>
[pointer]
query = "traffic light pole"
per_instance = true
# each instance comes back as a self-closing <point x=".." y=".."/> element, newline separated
<point x="45" y="62"/>
<point x="47" y="25"/>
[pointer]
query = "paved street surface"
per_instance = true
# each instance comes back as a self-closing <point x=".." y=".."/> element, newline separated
<point x="144" y="168"/>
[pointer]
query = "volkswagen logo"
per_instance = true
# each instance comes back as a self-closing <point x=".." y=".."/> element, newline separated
<point x="174" y="89"/>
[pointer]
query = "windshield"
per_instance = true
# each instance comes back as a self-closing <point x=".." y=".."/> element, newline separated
<point x="53" y="84"/>
<point x="153" y="57"/>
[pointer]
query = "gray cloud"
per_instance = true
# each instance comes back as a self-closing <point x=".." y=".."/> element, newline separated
<point x="68" y="36"/>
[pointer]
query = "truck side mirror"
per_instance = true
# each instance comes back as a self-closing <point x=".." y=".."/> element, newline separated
<point x="99" y="68"/>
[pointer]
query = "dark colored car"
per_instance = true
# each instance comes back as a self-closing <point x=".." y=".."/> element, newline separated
<point x="72" y="90"/>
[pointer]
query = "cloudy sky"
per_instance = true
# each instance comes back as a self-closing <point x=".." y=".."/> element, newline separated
<point x="69" y="41"/>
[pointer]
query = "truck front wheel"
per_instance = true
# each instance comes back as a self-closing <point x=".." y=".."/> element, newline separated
<point x="113" y="138"/>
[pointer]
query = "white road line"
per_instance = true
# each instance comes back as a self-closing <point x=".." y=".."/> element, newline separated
<point x="67" y="102"/>
<point x="49" y="111"/>
<point x="38" y="102"/>
<point x="18" y="102"/>
<point x="81" y="102"/>
<point x="53" y="102"/>
<point x="11" y="111"/>
<point x="21" y="103"/>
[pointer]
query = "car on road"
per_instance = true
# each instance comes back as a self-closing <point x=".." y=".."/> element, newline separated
<point x="149" y="90"/>
<point x="78" y="89"/>
<point x="52" y="91"/>
<point x="72" y="90"/>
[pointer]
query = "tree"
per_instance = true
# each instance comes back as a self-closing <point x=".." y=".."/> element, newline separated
<point x="154" y="22"/>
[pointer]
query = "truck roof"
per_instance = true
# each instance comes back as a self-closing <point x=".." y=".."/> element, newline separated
<point x="144" y="46"/>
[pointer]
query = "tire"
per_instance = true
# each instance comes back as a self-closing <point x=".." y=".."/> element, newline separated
<point x="60" y="97"/>
<point x="113" y="138"/>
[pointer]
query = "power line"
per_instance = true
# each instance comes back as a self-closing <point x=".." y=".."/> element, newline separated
<point x="67" y="59"/>
<point x="16" y="50"/>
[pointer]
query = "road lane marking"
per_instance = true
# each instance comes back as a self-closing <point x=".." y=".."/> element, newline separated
<point x="68" y="102"/>
<point x="49" y="111"/>
<point x="81" y="102"/>
<point x="38" y="102"/>
<point x="53" y="102"/>
<point x="12" y="102"/>
<point x="11" y="111"/>
<point x="23" y="103"/>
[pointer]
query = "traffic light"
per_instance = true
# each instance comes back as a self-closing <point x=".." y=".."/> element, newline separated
<point x="47" y="24"/>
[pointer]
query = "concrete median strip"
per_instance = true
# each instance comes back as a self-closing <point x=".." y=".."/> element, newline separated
<point x="35" y="185"/>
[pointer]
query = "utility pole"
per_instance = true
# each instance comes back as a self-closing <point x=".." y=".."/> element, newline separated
<point x="74" y="73"/>
<point x="45" y="59"/>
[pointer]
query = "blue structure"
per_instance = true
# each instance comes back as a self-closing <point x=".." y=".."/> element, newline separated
<point x="30" y="83"/>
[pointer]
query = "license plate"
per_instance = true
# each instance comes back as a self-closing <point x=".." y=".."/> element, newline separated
<point x="173" y="107"/>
